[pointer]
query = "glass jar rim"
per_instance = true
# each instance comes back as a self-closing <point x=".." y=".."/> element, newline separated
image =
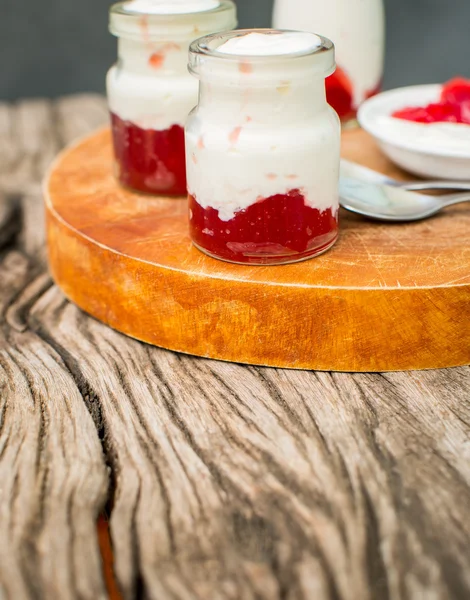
<point x="201" y="46"/>
<point x="207" y="63"/>
<point x="123" y="23"/>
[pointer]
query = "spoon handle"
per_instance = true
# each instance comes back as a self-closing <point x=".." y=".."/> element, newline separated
<point x="455" y="199"/>
<point x="416" y="186"/>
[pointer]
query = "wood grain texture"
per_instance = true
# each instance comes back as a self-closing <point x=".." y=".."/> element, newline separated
<point x="237" y="482"/>
<point x="227" y="482"/>
<point x="384" y="298"/>
<point x="52" y="470"/>
<point x="9" y="220"/>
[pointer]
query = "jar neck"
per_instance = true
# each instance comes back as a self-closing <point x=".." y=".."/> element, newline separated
<point x="163" y="59"/>
<point x="284" y="102"/>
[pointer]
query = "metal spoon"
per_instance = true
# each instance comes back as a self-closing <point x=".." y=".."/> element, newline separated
<point x="352" y="170"/>
<point x="393" y="204"/>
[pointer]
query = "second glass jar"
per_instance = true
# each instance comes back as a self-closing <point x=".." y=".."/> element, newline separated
<point x="150" y="91"/>
<point x="357" y="28"/>
<point x="263" y="147"/>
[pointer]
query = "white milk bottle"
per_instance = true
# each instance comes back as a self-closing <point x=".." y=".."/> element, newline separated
<point x="357" y="28"/>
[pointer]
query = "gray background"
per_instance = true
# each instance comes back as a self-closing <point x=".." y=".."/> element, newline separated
<point x="54" y="47"/>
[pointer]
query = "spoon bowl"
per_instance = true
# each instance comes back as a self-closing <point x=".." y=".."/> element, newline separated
<point x="392" y="204"/>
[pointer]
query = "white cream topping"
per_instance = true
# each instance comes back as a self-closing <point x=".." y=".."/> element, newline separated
<point x="270" y="44"/>
<point x="168" y="7"/>
<point x="436" y="138"/>
<point x="151" y="103"/>
<point x="230" y="177"/>
<point x="355" y="26"/>
<point x="151" y="86"/>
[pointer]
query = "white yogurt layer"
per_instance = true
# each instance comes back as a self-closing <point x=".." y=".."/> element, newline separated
<point x="270" y="44"/>
<point x="441" y="138"/>
<point x="249" y="141"/>
<point x="151" y="102"/>
<point x="166" y="7"/>
<point x="150" y="85"/>
<point x="232" y="169"/>
<point x="355" y="26"/>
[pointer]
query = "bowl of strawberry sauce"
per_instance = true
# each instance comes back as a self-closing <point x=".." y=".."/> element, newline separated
<point x="423" y="129"/>
<point x="150" y="91"/>
<point x="263" y="148"/>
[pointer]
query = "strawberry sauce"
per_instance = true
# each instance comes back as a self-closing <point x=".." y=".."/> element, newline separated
<point x="340" y="94"/>
<point x="148" y="160"/>
<point x="453" y="106"/>
<point x="274" y="230"/>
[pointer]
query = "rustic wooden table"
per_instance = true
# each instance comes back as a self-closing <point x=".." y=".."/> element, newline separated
<point x="221" y="481"/>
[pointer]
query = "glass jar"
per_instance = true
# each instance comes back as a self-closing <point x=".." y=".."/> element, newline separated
<point x="263" y="147"/>
<point x="150" y="90"/>
<point x="357" y="28"/>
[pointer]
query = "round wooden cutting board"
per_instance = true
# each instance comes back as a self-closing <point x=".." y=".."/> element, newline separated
<point x="387" y="297"/>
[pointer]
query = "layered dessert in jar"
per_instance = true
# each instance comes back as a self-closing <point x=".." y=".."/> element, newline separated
<point x="150" y="91"/>
<point x="357" y="28"/>
<point x="263" y="147"/>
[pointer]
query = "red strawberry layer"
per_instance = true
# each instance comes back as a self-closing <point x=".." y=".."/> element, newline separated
<point x="453" y="107"/>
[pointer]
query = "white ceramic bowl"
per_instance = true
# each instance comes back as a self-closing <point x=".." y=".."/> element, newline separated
<point x="440" y="150"/>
